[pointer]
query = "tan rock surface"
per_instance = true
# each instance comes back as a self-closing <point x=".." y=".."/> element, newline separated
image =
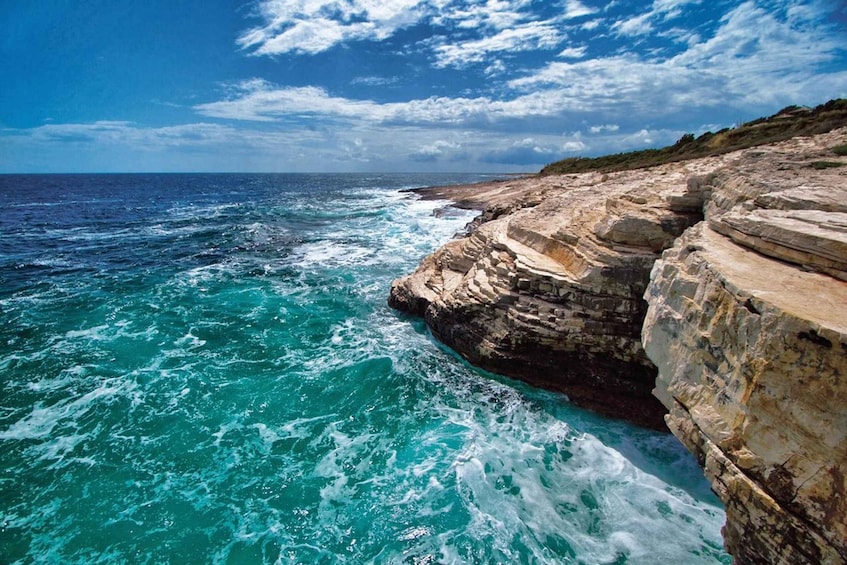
<point x="814" y="239"/>
<point x="751" y="347"/>
<point x="747" y="319"/>
<point x="550" y="291"/>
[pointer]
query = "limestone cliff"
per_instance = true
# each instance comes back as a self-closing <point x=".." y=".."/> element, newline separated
<point x="748" y="326"/>
<point x="745" y="338"/>
<point x="549" y="290"/>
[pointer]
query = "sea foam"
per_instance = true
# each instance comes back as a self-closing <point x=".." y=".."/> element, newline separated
<point x="222" y="381"/>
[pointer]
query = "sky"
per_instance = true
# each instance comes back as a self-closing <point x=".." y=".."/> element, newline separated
<point x="394" y="85"/>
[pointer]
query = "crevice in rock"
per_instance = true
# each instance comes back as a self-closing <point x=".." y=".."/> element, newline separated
<point x="813" y="336"/>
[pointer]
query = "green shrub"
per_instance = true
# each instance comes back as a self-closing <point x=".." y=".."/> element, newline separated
<point x="685" y="139"/>
<point x="840" y="149"/>
<point x="826" y="164"/>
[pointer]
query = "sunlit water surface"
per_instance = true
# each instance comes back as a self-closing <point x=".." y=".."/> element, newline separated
<point x="203" y="369"/>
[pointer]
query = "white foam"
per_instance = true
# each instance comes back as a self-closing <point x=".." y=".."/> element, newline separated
<point x="38" y="424"/>
<point x="523" y="473"/>
<point x="331" y="253"/>
<point x="224" y="429"/>
<point x="54" y="426"/>
<point x="462" y="467"/>
<point x="203" y="211"/>
<point x="189" y="341"/>
<point x="66" y="377"/>
<point x="59" y="447"/>
<point x="96" y="333"/>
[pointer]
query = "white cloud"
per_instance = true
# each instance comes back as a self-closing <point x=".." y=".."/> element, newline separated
<point x="126" y="146"/>
<point x="752" y="59"/>
<point x="756" y="57"/>
<point x="594" y="83"/>
<point x="362" y="146"/>
<point x="660" y="10"/>
<point x="261" y="102"/>
<point x="375" y="80"/>
<point x="127" y="133"/>
<point x="435" y="150"/>
<point x="604" y="127"/>
<point x="310" y="36"/>
<point x="527" y="151"/>
<point x="312" y="26"/>
<point x="642" y="137"/>
<point x="497" y="67"/>
<point x="494" y="15"/>
<point x="103" y="129"/>
<point x="573" y="146"/>
<point x="670" y="6"/>
<point x="527" y="37"/>
<point x="531" y="143"/>
<point x="439" y="147"/>
<point x="761" y="57"/>
<point x="636" y="25"/>
<point x="576" y="9"/>
<point x="574" y="52"/>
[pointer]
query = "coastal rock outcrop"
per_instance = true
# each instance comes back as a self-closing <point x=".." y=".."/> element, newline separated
<point x="742" y="337"/>
<point x="748" y="327"/>
<point x="551" y="290"/>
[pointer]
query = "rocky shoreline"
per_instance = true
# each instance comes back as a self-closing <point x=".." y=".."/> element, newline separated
<point x="707" y="295"/>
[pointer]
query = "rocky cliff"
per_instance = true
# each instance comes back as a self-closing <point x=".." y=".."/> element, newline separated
<point x="549" y="289"/>
<point x="747" y="324"/>
<point x="742" y="338"/>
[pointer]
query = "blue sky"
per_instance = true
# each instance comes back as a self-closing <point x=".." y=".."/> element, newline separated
<point x="394" y="85"/>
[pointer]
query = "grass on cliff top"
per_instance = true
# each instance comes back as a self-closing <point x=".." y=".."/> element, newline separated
<point x="785" y="124"/>
<point x="826" y="164"/>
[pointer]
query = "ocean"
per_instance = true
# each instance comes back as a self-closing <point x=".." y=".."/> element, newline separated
<point x="204" y="369"/>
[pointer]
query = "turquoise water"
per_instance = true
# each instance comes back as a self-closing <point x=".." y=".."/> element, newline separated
<point x="203" y="369"/>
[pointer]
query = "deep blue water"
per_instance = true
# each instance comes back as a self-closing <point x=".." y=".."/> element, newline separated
<point x="203" y="369"/>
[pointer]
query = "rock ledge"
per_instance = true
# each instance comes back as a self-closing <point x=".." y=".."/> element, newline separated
<point x="742" y="260"/>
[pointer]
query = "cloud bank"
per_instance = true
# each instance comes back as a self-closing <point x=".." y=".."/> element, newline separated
<point x="482" y="84"/>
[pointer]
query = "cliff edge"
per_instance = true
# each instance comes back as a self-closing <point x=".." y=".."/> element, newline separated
<point x="739" y="348"/>
<point x="747" y="323"/>
<point x="549" y="289"/>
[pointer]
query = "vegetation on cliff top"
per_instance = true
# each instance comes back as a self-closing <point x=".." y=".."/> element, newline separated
<point x="789" y="122"/>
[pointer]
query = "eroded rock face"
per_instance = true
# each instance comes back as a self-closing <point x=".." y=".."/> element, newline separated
<point x="551" y="292"/>
<point x="747" y="320"/>
<point x="747" y="325"/>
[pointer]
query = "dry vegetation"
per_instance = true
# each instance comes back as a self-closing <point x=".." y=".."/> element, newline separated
<point x="785" y="124"/>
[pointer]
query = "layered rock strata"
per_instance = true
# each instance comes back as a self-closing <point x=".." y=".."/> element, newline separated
<point x="748" y="327"/>
<point x="549" y="289"/>
<point x="745" y="337"/>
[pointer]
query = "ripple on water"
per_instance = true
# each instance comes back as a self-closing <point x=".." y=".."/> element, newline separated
<point x="228" y="385"/>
